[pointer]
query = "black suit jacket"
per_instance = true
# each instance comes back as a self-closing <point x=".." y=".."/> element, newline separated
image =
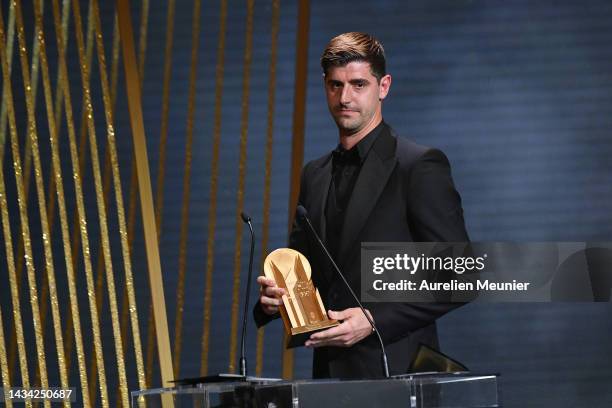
<point x="404" y="192"/>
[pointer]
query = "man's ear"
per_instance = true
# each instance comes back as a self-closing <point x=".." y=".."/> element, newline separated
<point x="384" y="86"/>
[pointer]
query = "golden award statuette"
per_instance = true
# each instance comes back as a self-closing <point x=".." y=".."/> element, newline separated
<point x="302" y="310"/>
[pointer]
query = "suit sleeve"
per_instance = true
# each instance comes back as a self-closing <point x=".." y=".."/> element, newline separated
<point x="435" y="214"/>
<point x="298" y="240"/>
<point x="434" y="206"/>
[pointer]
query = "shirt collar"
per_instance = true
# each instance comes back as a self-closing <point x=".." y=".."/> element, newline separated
<point x="362" y="148"/>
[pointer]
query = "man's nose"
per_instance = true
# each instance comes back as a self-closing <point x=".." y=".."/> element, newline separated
<point x="345" y="96"/>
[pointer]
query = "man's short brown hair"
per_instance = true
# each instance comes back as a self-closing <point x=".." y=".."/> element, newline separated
<point x="355" y="46"/>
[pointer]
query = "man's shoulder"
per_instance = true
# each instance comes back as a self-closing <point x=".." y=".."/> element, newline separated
<point x="408" y="151"/>
<point x="316" y="163"/>
<point x="389" y="144"/>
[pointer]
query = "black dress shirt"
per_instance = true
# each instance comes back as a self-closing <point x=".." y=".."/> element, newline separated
<point x="346" y="165"/>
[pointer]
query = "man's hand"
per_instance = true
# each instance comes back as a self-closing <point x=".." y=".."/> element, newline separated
<point x="270" y="295"/>
<point x="353" y="327"/>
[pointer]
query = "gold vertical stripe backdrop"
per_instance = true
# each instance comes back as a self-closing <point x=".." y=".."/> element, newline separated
<point x="6" y="383"/>
<point x="13" y="275"/>
<point x="59" y="186"/>
<point x="299" y="117"/>
<point x="44" y="292"/>
<point x="27" y="172"/>
<point x="76" y="231"/>
<point x="184" y="229"/>
<point x="133" y="189"/>
<point x="23" y="363"/>
<point x="146" y="196"/>
<point x="212" y="210"/>
<point x="27" y="166"/>
<point x="9" y="54"/>
<point x="4" y="369"/>
<point x="51" y="191"/>
<point x="244" y="126"/>
<point x="40" y="190"/>
<point x="82" y="220"/>
<point x="8" y="240"/>
<point x="6" y="380"/>
<point x="142" y="46"/>
<point x="99" y="270"/>
<point x="37" y="51"/>
<point x="121" y="216"/>
<point x="76" y="236"/>
<point x="10" y="35"/>
<point x="59" y="96"/>
<point x="268" y="164"/>
<point x="108" y="90"/>
<point x="23" y="215"/>
<point x="102" y="212"/>
<point x="47" y="214"/>
<point x="80" y="224"/>
<point x="161" y="169"/>
<point x="56" y="169"/>
<point x="106" y="188"/>
<point x="52" y="200"/>
<point x="28" y="155"/>
<point x="27" y="160"/>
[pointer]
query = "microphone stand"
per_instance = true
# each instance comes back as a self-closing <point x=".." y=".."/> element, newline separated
<point x="243" y="362"/>
<point x="303" y="215"/>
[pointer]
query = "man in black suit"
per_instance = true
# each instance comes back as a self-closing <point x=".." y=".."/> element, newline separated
<point x="374" y="187"/>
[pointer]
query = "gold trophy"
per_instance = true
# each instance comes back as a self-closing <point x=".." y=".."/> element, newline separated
<point x="302" y="310"/>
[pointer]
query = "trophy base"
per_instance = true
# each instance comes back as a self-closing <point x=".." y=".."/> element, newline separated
<point x="299" y="335"/>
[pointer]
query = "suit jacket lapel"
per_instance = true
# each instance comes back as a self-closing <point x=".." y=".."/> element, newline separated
<point x="372" y="178"/>
<point x="320" y="187"/>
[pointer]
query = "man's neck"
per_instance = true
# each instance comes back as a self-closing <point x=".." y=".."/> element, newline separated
<point x="349" y="140"/>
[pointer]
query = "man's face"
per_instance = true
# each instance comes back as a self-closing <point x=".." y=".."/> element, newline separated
<point x="354" y="95"/>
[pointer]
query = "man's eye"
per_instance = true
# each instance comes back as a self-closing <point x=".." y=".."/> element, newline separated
<point x="359" y="85"/>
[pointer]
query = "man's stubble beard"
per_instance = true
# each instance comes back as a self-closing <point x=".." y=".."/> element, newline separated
<point x="351" y="126"/>
<point x="348" y="125"/>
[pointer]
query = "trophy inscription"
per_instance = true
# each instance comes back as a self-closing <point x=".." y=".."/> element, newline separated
<point x="302" y="310"/>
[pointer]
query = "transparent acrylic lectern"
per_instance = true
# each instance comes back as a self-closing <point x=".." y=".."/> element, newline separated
<point x="446" y="390"/>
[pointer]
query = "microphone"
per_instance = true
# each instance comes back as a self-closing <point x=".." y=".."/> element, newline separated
<point x="303" y="216"/>
<point x="243" y="363"/>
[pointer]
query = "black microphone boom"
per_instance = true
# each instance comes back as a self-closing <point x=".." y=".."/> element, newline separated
<point x="245" y="217"/>
<point x="243" y="362"/>
<point x="303" y="216"/>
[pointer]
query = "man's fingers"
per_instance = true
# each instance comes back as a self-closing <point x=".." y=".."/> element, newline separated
<point x="269" y="288"/>
<point x="274" y="292"/>
<point x="270" y="301"/>
<point x="271" y="295"/>
<point x="345" y="334"/>
<point x="331" y="333"/>
<point x="339" y="315"/>
<point x="340" y="339"/>
<point x="263" y="281"/>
